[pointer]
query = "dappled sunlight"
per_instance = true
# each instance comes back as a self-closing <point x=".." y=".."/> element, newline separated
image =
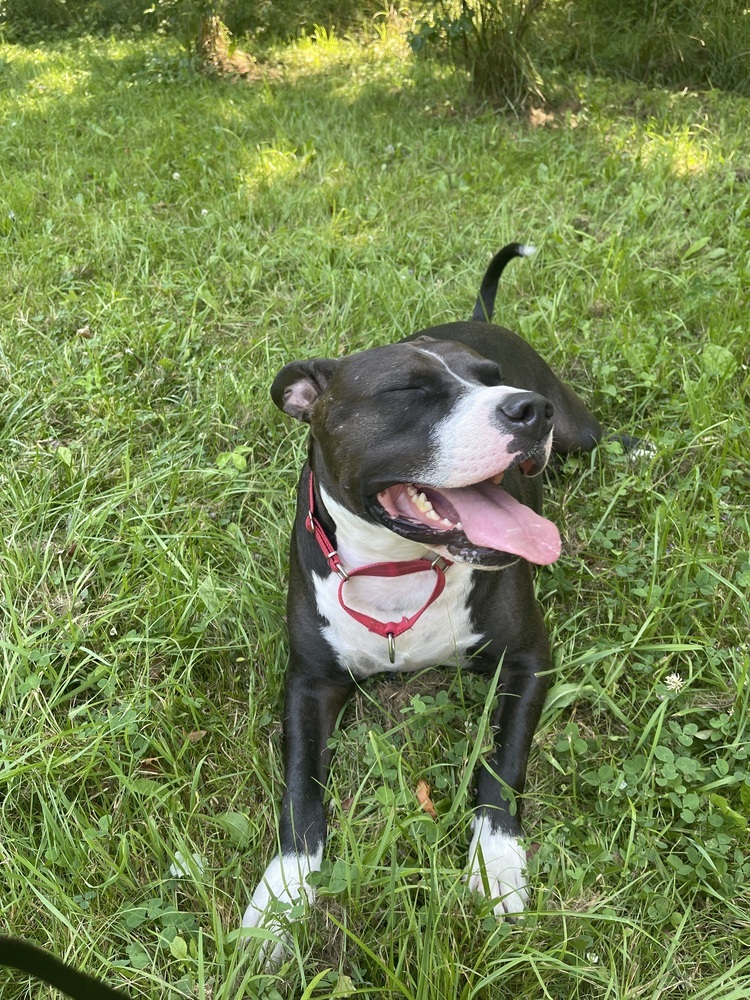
<point x="687" y="151"/>
<point x="349" y="64"/>
<point x="41" y="72"/>
<point x="288" y="168"/>
<point x="271" y="165"/>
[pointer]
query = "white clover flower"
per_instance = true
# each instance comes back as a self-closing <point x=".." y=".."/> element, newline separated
<point x="176" y="175"/>
<point x="673" y="682"/>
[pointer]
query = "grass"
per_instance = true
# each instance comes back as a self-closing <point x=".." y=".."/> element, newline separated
<point x="168" y="243"/>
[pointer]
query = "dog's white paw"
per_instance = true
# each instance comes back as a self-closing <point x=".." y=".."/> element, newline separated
<point x="497" y="869"/>
<point x="284" y="881"/>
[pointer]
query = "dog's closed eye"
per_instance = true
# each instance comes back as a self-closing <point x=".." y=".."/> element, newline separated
<point x="487" y="373"/>
<point x="395" y="390"/>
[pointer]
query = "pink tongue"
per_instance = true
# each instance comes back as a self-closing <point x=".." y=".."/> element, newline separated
<point x="493" y="519"/>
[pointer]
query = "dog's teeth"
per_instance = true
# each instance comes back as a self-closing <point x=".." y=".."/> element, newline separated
<point x="411" y="491"/>
<point x="498" y="478"/>
<point x="459" y="526"/>
<point x="447" y="523"/>
<point x="432" y="515"/>
<point x="421" y="502"/>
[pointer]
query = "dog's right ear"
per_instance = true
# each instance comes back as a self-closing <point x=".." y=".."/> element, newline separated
<point x="298" y="385"/>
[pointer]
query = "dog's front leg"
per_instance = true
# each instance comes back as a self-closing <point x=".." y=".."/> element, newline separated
<point x="497" y="862"/>
<point x="312" y="707"/>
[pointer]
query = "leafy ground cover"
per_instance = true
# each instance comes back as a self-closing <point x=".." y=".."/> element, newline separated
<point x="167" y="244"/>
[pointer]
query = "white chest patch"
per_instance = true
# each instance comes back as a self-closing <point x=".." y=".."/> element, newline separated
<point x="442" y="635"/>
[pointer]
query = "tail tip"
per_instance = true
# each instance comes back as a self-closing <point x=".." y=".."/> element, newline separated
<point x="526" y="250"/>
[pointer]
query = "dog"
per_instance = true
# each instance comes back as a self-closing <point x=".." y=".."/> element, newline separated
<point x="418" y="522"/>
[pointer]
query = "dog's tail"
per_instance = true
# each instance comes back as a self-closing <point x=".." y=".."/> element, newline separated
<point x="485" y="304"/>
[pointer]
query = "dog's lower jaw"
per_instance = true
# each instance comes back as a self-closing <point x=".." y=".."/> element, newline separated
<point x="284" y="881"/>
<point x="497" y="868"/>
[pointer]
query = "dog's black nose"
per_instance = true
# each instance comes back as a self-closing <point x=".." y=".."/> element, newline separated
<point x="528" y="409"/>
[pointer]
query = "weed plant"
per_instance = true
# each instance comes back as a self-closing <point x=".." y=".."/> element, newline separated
<point x="673" y="42"/>
<point x="167" y="244"/>
<point x="488" y="40"/>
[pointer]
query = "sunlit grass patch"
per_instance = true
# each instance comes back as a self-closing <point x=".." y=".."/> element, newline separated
<point x="687" y="150"/>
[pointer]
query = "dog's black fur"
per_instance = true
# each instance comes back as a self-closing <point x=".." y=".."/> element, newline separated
<point x="18" y="954"/>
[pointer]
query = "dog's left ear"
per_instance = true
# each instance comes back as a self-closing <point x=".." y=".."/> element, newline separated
<point x="298" y="385"/>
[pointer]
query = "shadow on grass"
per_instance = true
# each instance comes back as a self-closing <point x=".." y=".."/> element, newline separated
<point x="358" y="84"/>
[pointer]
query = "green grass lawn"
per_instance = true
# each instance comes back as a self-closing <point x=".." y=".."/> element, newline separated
<point x="167" y="243"/>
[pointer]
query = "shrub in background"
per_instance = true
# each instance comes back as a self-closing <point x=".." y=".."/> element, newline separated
<point x="488" y="38"/>
<point x="29" y="20"/>
<point x="694" y="43"/>
<point x="500" y="43"/>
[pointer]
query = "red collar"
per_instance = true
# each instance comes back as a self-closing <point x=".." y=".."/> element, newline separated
<point x="388" y="630"/>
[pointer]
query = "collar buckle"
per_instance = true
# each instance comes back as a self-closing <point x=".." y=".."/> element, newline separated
<point x="335" y="563"/>
<point x="440" y="564"/>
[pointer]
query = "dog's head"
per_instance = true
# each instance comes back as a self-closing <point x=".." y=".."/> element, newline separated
<point x="419" y="436"/>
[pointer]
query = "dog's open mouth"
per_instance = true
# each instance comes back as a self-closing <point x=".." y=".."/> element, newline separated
<point x="481" y="522"/>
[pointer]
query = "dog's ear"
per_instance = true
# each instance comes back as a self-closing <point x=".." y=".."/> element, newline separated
<point x="298" y="385"/>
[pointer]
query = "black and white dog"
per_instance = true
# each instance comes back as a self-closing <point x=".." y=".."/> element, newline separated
<point x="418" y="522"/>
